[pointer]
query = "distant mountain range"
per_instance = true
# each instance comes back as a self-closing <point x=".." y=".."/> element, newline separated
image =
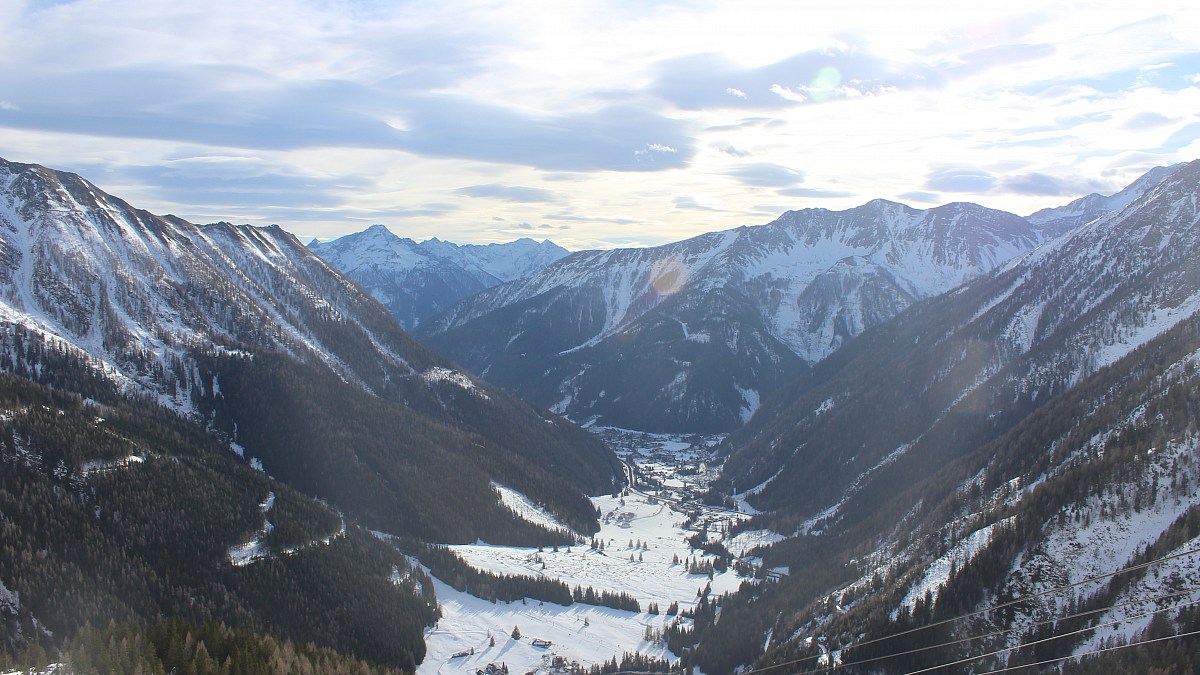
<point x="416" y="281"/>
<point x="691" y="336"/>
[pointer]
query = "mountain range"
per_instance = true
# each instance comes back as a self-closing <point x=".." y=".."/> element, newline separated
<point x="692" y="336"/>
<point x="1011" y="439"/>
<point x="966" y="432"/>
<point x="416" y="281"/>
<point x="249" y="332"/>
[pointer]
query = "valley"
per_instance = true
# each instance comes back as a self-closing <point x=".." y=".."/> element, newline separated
<point x="644" y="532"/>
<point x="976" y="411"/>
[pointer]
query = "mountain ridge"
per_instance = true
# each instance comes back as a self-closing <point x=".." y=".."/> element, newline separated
<point x="207" y="319"/>
<point x="416" y="281"/>
<point x="1026" y="431"/>
<point x="570" y="335"/>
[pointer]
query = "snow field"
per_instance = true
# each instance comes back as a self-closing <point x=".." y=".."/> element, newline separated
<point x="652" y="579"/>
<point x="583" y="633"/>
<point x="467" y="620"/>
<point x="938" y="572"/>
<point x="525" y="508"/>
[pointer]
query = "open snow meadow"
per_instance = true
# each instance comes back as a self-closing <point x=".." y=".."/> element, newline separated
<point x="645" y="554"/>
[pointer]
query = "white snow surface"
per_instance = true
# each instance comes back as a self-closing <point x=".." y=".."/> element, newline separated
<point x="583" y="633"/>
<point x="439" y="374"/>
<point x="1157" y="322"/>
<point x="938" y="571"/>
<point x="654" y="578"/>
<point x="526" y="509"/>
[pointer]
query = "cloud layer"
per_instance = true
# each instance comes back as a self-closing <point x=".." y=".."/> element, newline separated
<point x="633" y="123"/>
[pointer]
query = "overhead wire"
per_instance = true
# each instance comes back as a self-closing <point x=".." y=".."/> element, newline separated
<point x="997" y="652"/>
<point x="1089" y="653"/>
<point x="981" y="612"/>
<point x="1043" y="622"/>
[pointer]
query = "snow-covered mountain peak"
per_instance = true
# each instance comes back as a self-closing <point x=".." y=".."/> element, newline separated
<point x="415" y="281"/>
<point x="142" y="293"/>
<point x="1055" y="221"/>
<point x="784" y="293"/>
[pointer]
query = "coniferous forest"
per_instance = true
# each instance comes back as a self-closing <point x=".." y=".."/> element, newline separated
<point x="124" y="511"/>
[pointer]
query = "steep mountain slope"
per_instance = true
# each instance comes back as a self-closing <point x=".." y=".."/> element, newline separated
<point x="1027" y="431"/>
<point x="416" y="281"/>
<point x="249" y="332"/>
<point x="989" y="352"/>
<point x="689" y="336"/>
<point x="126" y="511"/>
<point x="1061" y="219"/>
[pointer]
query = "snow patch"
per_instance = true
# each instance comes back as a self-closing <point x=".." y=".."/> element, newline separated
<point x="527" y="510"/>
<point x="439" y="374"/>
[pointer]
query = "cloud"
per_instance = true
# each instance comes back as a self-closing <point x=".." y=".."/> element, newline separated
<point x="589" y="219"/>
<point x="620" y="137"/>
<point x="999" y="56"/>
<point x="749" y="123"/>
<point x="730" y="149"/>
<point x="509" y="193"/>
<point x="1182" y="137"/>
<point x="1146" y="120"/>
<point x="921" y="196"/>
<point x="238" y="182"/>
<point x="960" y="179"/>
<point x="773" y="210"/>
<point x="817" y="193"/>
<point x="238" y="107"/>
<point x="691" y="204"/>
<point x="767" y="175"/>
<point x="1046" y="185"/>
<point x="702" y="81"/>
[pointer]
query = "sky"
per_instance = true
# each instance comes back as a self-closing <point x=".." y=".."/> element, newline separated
<point x="593" y="124"/>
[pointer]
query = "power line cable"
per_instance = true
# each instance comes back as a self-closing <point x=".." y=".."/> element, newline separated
<point x="1008" y="649"/>
<point x="969" y="659"/>
<point x="981" y="612"/>
<point x="1089" y="653"/>
<point x="1043" y="622"/>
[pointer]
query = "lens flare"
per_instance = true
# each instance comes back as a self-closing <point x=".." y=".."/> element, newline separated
<point x="668" y="276"/>
<point x="826" y="82"/>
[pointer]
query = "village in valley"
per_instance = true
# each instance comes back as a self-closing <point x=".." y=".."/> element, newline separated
<point x="657" y="543"/>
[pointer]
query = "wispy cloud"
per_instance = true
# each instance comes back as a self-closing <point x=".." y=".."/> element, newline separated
<point x="764" y="174"/>
<point x="689" y="203"/>
<point x="815" y="193"/>
<point x="329" y="114"/>
<point x="701" y="81"/>
<point x="960" y="179"/>
<point x="509" y="193"/>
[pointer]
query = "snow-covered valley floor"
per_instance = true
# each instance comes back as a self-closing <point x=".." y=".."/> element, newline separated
<point x="646" y="528"/>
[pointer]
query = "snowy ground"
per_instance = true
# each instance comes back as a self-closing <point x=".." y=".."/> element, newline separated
<point x="651" y="576"/>
<point x="581" y="633"/>
<point x="649" y="529"/>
